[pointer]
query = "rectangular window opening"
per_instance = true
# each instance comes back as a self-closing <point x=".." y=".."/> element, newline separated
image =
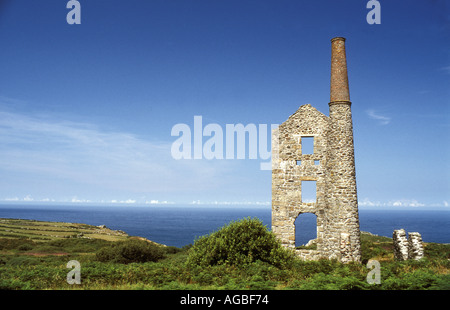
<point x="307" y="145"/>
<point x="298" y="162"/>
<point x="309" y="191"/>
<point x="317" y="162"/>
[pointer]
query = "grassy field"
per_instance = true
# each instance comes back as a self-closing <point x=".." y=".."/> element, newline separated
<point x="48" y="231"/>
<point x="34" y="255"/>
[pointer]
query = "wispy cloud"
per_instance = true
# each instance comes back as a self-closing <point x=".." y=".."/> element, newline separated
<point x="366" y="202"/>
<point x="84" y="154"/>
<point x="446" y="69"/>
<point x="231" y="203"/>
<point x="405" y="203"/>
<point x="382" y="119"/>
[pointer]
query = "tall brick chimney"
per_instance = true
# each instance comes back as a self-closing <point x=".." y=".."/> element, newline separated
<point x="339" y="79"/>
<point x="342" y="195"/>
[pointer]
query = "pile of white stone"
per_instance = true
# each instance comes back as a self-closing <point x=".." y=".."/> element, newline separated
<point x="407" y="248"/>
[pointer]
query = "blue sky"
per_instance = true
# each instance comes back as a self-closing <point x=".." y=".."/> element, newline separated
<point x="86" y="111"/>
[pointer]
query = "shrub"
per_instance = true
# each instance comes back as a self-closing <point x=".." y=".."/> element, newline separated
<point x="130" y="251"/>
<point x="240" y="242"/>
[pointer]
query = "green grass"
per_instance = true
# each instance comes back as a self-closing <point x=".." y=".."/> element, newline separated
<point x="47" y="231"/>
<point x="22" y="269"/>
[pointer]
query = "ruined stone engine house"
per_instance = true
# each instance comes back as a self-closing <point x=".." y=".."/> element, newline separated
<point x="330" y="166"/>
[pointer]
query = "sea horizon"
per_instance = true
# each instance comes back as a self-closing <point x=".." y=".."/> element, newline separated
<point x="209" y="204"/>
<point x="181" y="224"/>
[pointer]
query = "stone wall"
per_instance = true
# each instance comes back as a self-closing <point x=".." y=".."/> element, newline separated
<point x="407" y="248"/>
<point x="332" y="168"/>
<point x="291" y="167"/>
<point x="400" y="244"/>
<point x="415" y="246"/>
<point x="331" y="165"/>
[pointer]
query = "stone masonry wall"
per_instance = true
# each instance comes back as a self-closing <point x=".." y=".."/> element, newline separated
<point x="407" y="248"/>
<point x="400" y="244"/>
<point x="288" y="173"/>
<point x="415" y="246"/>
<point x="342" y="192"/>
<point x="331" y="166"/>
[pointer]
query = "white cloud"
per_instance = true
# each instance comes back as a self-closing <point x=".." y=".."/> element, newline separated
<point x="76" y="200"/>
<point x="70" y="154"/>
<point x="368" y="203"/>
<point x="383" y="120"/>
<point x="157" y="202"/>
<point x="47" y="200"/>
<point x="12" y="199"/>
<point x="392" y="203"/>
<point x="28" y="198"/>
<point x="406" y="203"/>
<point x="128" y="201"/>
<point x="231" y="203"/>
<point x="446" y="69"/>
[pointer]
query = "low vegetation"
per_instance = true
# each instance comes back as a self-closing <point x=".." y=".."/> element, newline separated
<point x="241" y="255"/>
<point x="48" y="231"/>
<point x="239" y="243"/>
<point x="130" y="251"/>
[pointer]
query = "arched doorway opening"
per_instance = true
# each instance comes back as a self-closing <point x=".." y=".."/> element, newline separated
<point x="306" y="231"/>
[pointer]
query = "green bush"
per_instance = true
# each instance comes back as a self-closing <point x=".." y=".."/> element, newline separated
<point x="130" y="251"/>
<point x="240" y="242"/>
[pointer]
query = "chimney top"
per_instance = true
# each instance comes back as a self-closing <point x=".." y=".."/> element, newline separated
<point x="339" y="91"/>
<point x="338" y="38"/>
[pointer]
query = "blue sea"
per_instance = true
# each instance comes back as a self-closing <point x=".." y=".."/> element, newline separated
<point x="177" y="225"/>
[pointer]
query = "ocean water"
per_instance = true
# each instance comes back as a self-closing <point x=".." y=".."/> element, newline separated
<point x="181" y="225"/>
